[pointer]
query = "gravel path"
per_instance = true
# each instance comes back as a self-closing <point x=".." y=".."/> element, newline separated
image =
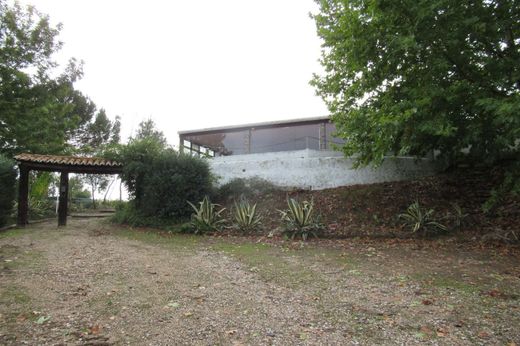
<point x="86" y="284"/>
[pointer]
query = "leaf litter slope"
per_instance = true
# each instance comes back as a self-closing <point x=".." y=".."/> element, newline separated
<point x="93" y="283"/>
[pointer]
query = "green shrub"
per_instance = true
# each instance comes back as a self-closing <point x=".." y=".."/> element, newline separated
<point x="206" y="218"/>
<point x="420" y="220"/>
<point x="245" y="216"/>
<point x="40" y="208"/>
<point x="458" y="216"/>
<point x="299" y="219"/>
<point x="7" y="188"/>
<point x="127" y="214"/>
<point x="160" y="180"/>
<point x="244" y="188"/>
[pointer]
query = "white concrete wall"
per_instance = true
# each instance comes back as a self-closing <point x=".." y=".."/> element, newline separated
<point x="316" y="170"/>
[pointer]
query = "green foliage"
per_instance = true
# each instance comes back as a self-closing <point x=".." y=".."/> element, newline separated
<point x="299" y="219"/>
<point x="97" y="183"/>
<point x="245" y="216"/>
<point x="409" y="77"/>
<point x="40" y="204"/>
<point x="171" y="180"/>
<point x="138" y="156"/>
<point x="37" y="110"/>
<point x="246" y="188"/>
<point x="419" y="220"/>
<point x="147" y="129"/>
<point x="40" y="110"/>
<point x="127" y="214"/>
<point x="458" y="215"/>
<point x="160" y="180"/>
<point x="206" y="218"/>
<point x="7" y="188"/>
<point x="509" y="186"/>
<point x="40" y="208"/>
<point x="40" y="184"/>
<point x="76" y="188"/>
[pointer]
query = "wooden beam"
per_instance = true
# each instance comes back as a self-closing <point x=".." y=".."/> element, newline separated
<point x="64" y="191"/>
<point x="23" y="194"/>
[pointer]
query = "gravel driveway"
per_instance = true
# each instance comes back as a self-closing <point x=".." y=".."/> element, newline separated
<point x="92" y="283"/>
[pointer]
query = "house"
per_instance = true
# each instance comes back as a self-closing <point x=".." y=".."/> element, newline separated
<point x="275" y="136"/>
<point x="295" y="153"/>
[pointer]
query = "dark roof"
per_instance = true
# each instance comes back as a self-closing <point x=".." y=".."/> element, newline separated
<point x="67" y="160"/>
<point x="269" y="124"/>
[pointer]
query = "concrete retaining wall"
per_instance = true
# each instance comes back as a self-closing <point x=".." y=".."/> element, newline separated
<point x="316" y="170"/>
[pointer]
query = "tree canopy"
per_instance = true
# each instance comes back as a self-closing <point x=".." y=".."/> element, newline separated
<point x="409" y="77"/>
<point x="40" y="111"/>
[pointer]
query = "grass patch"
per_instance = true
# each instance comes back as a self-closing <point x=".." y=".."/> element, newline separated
<point x="174" y="240"/>
<point x="331" y="257"/>
<point x="13" y="257"/>
<point x="14" y="301"/>
<point x="445" y="282"/>
<point x="15" y="232"/>
<point x="283" y="266"/>
<point x="12" y="294"/>
<point x="105" y="305"/>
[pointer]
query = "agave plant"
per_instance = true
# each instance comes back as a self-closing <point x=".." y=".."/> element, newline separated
<point x="458" y="215"/>
<point x="299" y="219"/>
<point x="421" y="220"/>
<point x="245" y="216"/>
<point x="206" y="217"/>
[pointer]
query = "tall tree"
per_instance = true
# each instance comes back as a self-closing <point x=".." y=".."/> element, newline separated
<point x="148" y="130"/>
<point x="96" y="138"/>
<point x="413" y="76"/>
<point x="36" y="109"/>
<point x="138" y="155"/>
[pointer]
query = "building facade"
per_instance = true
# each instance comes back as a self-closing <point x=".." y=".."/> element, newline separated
<point x="292" y="154"/>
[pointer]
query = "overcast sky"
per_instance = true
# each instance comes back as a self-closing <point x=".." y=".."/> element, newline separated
<point x="192" y="64"/>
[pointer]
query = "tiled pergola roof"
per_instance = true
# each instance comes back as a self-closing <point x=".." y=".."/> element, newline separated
<point x="73" y="164"/>
<point x="66" y="160"/>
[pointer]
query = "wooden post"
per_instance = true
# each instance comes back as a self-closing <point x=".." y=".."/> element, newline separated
<point x="23" y="192"/>
<point x="64" y="191"/>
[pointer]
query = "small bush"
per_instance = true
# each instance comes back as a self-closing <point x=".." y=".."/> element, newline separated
<point x="245" y="216"/>
<point x="244" y="188"/>
<point x="420" y="220"/>
<point x="458" y="216"/>
<point x="160" y="180"/>
<point x="299" y="219"/>
<point x="128" y="214"/>
<point x="7" y="189"/>
<point x="40" y="208"/>
<point x="172" y="180"/>
<point x="206" y="218"/>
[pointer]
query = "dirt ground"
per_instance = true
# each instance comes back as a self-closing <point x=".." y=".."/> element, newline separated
<point x="92" y="283"/>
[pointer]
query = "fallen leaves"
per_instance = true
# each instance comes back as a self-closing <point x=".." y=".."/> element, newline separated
<point x="94" y="329"/>
<point x="426" y="330"/>
<point x="427" y="302"/>
<point x="483" y="334"/>
<point x="42" y="319"/>
<point x="441" y="332"/>
<point x="172" y="304"/>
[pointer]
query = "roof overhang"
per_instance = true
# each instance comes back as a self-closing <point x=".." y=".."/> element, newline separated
<point x="263" y="125"/>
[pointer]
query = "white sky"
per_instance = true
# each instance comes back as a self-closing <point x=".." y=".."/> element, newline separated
<point x="192" y="64"/>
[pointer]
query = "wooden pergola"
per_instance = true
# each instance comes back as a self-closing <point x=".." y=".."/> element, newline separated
<point x="64" y="165"/>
